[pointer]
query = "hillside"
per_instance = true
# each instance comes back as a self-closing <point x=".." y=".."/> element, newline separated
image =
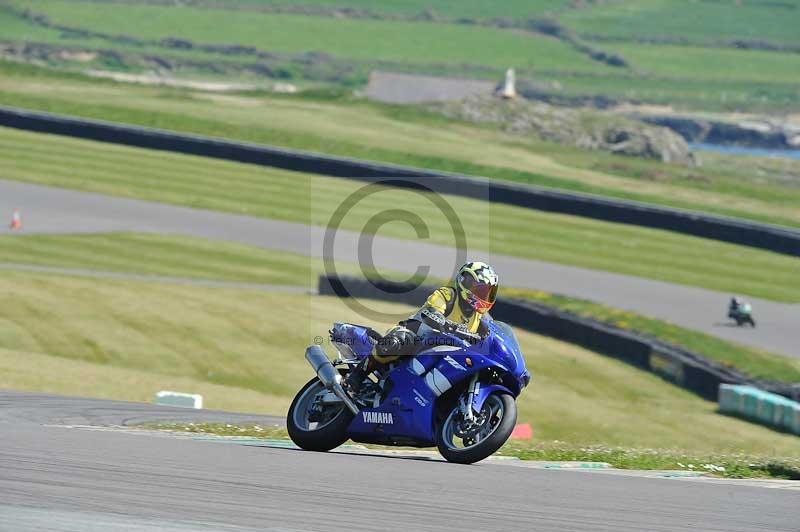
<point x="128" y="339"/>
<point x="707" y="54"/>
<point x="753" y="188"/>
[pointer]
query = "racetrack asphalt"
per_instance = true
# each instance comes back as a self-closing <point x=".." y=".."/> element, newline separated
<point x="56" y="477"/>
<point x="55" y="210"/>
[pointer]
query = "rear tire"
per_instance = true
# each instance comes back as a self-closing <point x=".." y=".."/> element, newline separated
<point x="331" y="435"/>
<point x="486" y="447"/>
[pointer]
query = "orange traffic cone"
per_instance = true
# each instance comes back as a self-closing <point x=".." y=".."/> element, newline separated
<point x="16" y="221"/>
<point x="522" y="431"/>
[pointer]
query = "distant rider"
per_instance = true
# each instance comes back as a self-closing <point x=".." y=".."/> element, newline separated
<point x="465" y="303"/>
<point x="741" y="311"/>
<point x="733" y="307"/>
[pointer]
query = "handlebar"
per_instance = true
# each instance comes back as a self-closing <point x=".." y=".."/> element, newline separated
<point x="438" y="322"/>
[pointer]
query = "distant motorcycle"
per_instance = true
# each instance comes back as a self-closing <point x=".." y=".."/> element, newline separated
<point x="742" y="314"/>
<point x="457" y="394"/>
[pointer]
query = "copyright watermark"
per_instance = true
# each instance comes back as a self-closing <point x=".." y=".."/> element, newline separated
<point x="434" y="248"/>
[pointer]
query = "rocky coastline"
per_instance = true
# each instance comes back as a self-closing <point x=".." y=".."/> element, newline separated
<point x="767" y="133"/>
<point x="581" y="128"/>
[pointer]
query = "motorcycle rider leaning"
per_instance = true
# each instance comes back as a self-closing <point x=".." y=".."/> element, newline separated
<point x="465" y="303"/>
<point x="734" y="305"/>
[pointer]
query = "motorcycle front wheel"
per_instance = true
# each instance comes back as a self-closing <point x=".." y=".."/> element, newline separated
<point x="314" y="425"/>
<point x="463" y="441"/>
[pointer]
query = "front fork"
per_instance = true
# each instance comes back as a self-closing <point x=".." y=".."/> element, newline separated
<point x="465" y="402"/>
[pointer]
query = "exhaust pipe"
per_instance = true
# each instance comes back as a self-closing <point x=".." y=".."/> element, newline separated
<point x="328" y="376"/>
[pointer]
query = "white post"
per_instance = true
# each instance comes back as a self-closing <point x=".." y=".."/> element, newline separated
<point x="509" y="89"/>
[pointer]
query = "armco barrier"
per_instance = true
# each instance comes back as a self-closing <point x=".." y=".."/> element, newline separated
<point x="771" y="237"/>
<point x="757" y="405"/>
<point x="684" y="368"/>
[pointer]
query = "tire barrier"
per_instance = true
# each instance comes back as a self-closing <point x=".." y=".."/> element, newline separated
<point x="675" y="364"/>
<point x="763" y="407"/>
<point x="765" y="236"/>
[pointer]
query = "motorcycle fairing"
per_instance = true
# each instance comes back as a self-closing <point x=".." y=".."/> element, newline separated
<point x="352" y="341"/>
<point x="407" y="414"/>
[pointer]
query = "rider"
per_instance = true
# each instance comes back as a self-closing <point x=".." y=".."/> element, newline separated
<point x="465" y="303"/>
<point x="738" y="306"/>
<point x="734" y="305"/>
<point x="741" y="311"/>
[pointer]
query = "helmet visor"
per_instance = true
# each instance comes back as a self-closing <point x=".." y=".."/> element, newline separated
<point x="487" y="293"/>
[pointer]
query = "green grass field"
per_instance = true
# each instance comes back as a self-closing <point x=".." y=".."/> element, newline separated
<point x="480" y="9"/>
<point x="753" y="362"/>
<point x="160" y="255"/>
<point x="192" y="258"/>
<point x="475" y="38"/>
<point x="128" y="339"/>
<point x="268" y="193"/>
<point x="704" y="21"/>
<point x="343" y="126"/>
<point x="354" y="39"/>
<point x="698" y="63"/>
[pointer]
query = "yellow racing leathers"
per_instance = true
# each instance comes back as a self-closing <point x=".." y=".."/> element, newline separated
<point x="403" y="339"/>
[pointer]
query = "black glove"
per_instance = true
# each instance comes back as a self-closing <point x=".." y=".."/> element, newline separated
<point x="400" y="341"/>
<point x="433" y="319"/>
<point x="461" y="330"/>
<point x="389" y="345"/>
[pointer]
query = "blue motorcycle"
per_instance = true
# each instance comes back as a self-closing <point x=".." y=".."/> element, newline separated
<point x="458" y="393"/>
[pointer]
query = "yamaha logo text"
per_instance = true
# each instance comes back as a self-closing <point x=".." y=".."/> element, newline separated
<point x="384" y="418"/>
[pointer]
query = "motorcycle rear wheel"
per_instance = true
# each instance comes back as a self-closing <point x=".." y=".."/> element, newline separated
<point x="499" y="415"/>
<point x="312" y="435"/>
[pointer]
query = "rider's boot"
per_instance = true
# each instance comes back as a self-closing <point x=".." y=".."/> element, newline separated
<point x="356" y="377"/>
<point x="392" y="345"/>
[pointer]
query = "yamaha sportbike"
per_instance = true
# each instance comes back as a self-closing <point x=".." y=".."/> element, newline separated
<point x="458" y="393"/>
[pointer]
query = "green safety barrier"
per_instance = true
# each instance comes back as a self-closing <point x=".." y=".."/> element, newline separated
<point x="766" y="408"/>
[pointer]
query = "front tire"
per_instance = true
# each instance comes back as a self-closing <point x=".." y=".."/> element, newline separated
<point x="498" y="417"/>
<point x="323" y="435"/>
